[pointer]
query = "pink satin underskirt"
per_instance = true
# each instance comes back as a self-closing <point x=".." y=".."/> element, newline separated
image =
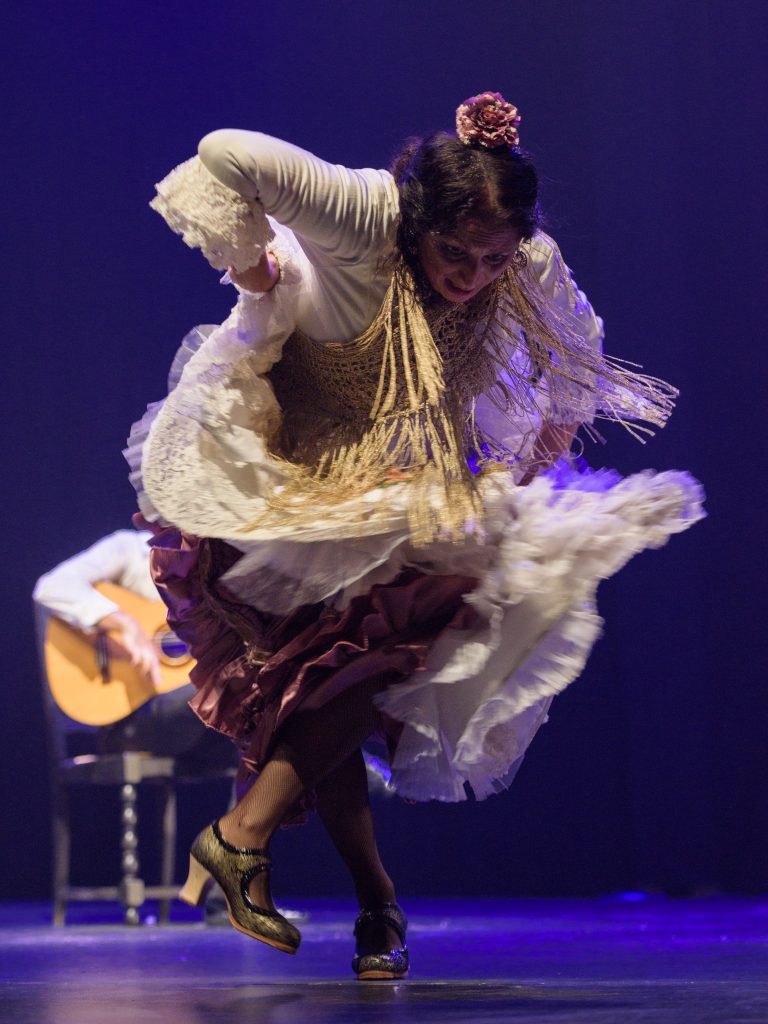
<point x="309" y="656"/>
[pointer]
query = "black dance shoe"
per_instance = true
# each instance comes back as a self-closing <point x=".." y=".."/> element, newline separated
<point x="395" y="962"/>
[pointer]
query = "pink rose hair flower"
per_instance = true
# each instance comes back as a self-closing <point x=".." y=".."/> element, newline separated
<point x="488" y="120"/>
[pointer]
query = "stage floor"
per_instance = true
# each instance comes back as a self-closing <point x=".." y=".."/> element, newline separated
<point x="607" y="961"/>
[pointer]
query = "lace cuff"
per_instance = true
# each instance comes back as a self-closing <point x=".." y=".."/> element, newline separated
<point x="229" y="229"/>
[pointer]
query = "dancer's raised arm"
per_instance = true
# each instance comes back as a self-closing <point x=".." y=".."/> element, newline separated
<point x="343" y="213"/>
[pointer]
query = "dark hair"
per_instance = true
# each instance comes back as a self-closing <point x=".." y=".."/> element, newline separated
<point x="442" y="181"/>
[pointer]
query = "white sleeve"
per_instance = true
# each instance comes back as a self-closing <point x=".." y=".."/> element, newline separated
<point x="229" y="200"/>
<point x="557" y="282"/>
<point x="68" y="590"/>
<point x="559" y="287"/>
<point x="343" y="214"/>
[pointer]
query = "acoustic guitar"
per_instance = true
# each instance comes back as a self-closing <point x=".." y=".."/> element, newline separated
<point x="90" y="691"/>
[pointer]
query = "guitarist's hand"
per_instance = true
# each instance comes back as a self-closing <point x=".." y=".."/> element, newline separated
<point x="127" y="641"/>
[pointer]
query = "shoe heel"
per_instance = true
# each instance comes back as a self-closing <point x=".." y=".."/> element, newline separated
<point x="199" y="880"/>
<point x="233" y="867"/>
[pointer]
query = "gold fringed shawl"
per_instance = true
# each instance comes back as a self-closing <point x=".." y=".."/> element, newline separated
<point x="581" y="382"/>
<point x="397" y="404"/>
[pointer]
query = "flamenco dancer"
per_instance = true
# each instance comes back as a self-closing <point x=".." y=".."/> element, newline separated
<point x="377" y="448"/>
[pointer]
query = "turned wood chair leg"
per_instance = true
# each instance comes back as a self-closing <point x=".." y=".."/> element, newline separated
<point x="61" y="852"/>
<point x="169" y="845"/>
<point x="131" y="885"/>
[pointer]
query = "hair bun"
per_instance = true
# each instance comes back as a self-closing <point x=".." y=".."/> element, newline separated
<point x="487" y="120"/>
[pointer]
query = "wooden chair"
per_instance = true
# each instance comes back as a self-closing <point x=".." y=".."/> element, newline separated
<point x="125" y="772"/>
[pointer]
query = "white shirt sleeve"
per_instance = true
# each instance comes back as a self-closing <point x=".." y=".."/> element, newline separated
<point x="68" y="590"/>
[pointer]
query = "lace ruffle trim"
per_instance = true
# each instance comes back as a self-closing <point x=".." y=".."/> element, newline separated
<point x="229" y="229"/>
<point x="558" y="541"/>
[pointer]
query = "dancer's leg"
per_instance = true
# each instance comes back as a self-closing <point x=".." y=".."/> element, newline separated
<point x="345" y="810"/>
<point x="311" y="745"/>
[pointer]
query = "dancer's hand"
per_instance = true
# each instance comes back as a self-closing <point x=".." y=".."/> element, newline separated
<point x="260" y="278"/>
<point x="554" y="441"/>
<point x="141" y="523"/>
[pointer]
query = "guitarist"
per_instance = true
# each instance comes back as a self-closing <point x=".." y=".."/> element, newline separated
<point x="165" y="725"/>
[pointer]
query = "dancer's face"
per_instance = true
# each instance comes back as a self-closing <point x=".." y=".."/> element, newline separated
<point x="461" y="263"/>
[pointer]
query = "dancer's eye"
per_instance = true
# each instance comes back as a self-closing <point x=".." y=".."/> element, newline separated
<point x="451" y="252"/>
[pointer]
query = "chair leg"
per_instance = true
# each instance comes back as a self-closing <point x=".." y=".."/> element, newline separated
<point x="131" y="886"/>
<point x="169" y="845"/>
<point x="61" y="852"/>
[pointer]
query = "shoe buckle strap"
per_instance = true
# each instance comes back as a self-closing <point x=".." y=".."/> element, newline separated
<point x="389" y="914"/>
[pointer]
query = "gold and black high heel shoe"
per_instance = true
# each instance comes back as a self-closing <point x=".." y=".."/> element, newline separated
<point x="395" y="962"/>
<point x="233" y="867"/>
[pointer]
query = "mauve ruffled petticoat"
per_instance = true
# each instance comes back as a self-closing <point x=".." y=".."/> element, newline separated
<point x="254" y="669"/>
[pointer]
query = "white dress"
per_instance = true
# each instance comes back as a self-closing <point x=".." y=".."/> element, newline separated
<point x="201" y="461"/>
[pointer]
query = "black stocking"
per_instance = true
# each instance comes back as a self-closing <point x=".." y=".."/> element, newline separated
<point x="345" y="811"/>
<point x="311" y="745"/>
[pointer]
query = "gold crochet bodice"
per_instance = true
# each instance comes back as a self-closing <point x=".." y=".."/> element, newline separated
<point x="327" y="390"/>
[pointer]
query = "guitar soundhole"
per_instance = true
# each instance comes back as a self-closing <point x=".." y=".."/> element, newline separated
<point x="171" y="649"/>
